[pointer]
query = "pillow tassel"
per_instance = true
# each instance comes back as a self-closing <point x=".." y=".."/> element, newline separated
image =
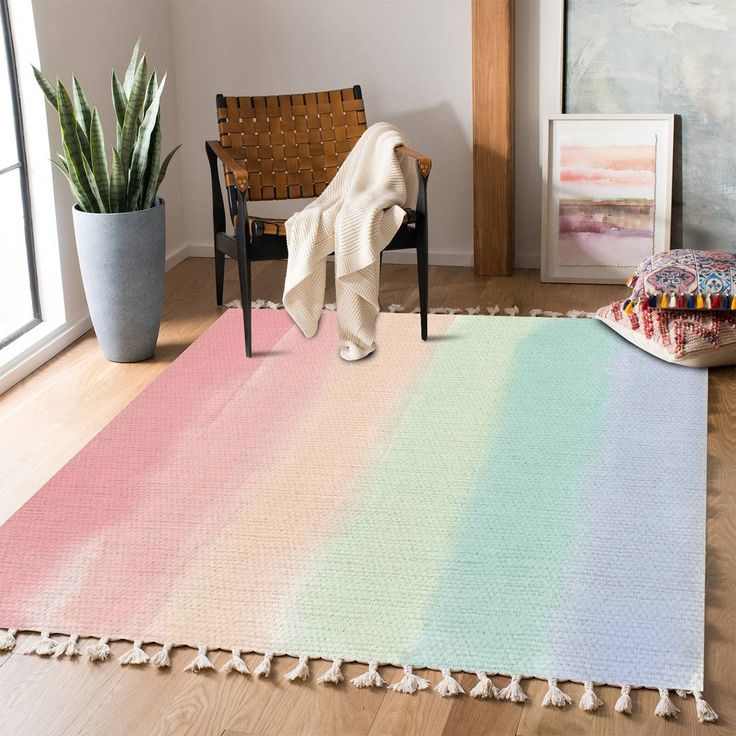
<point x="699" y="302"/>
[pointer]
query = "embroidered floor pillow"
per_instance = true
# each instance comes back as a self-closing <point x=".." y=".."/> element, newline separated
<point x="696" y="339"/>
<point x="686" y="279"/>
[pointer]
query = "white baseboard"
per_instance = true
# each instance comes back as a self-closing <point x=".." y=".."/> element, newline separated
<point x="177" y="256"/>
<point x="198" y="250"/>
<point x="527" y="260"/>
<point x="48" y="342"/>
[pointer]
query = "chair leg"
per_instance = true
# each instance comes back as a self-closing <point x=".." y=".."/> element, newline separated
<point x="423" y="276"/>
<point x="244" y="276"/>
<point x="219" y="275"/>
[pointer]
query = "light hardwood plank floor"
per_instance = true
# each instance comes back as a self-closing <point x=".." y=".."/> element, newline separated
<point x="52" y="414"/>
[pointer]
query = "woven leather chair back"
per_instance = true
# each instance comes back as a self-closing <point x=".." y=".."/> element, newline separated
<point x="291" y="145"/>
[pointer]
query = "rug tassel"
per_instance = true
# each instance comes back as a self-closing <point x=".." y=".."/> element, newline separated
<point x="264" y="667"/>
<point x="333" y="675"/>
<point x="666" y="708"/>
<point x="7" y="640"/>
<point x="98" y="652"/>
<point x="162" y="659"/>
<point x="705" y="713"/>
<point x="135" y="655"/>
<point x="395" y="308"/>
<point x="200" y="662"/>
<point x="44" y="647"/>
<point x="448" y="685"/>
<point x="236" y="663"/>
<point x="589" y="701"/>
<point x="623" y="704"/>
<point x="513" y="691"/>
<point x="494" y="310"/>
<point x="682" y="693"/>
<point x="300" y="672"/>
<point x="70" y="647"/>
<point x="484" y="688"/>
<point x="409" y="683"/>
<point x="371" y="678"/>
<point x="554" y="696"/>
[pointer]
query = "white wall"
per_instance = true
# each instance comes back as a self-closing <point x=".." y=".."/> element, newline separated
<point x="90" y="38"/>
<point x="538" y="84"/>
<point x="412" y="58"/>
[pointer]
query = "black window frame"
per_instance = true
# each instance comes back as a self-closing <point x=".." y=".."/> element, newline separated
<point x="22" y="165"/>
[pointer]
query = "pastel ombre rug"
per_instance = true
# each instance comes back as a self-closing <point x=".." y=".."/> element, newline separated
<point x="513" y="496"/>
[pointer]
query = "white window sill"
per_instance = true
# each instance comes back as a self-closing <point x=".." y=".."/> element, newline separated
<point x="35" y="347"/>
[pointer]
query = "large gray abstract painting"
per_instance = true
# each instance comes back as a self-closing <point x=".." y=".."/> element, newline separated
<point x="671" y="56"/>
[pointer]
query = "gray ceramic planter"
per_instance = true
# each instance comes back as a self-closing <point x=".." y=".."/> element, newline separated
<point x="122" y="257"/>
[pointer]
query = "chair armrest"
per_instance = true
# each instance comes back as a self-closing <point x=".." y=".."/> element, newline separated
<point x="424" y="162"/>
<point x="239" y="171"/>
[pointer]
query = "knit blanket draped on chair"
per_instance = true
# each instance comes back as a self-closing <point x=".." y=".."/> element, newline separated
<point x="356" y="217"/>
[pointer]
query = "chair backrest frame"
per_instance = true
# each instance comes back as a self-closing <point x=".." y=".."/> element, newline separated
<point x="291" y="145"/>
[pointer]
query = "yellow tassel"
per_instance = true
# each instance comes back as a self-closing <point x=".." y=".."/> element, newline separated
<point x="629" y="307"/>
<point x="699" y="303"/>
<point x="631" y="280"/>
<point x="733" y="302"/>
<point x="664" y="301"/>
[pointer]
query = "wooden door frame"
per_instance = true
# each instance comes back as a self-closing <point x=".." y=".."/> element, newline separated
<point x="493" y="136"/>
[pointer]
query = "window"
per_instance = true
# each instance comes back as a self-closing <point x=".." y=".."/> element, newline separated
<point x="19" y="306"/>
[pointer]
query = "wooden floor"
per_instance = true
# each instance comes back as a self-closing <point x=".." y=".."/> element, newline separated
<point x="49" y="417"/>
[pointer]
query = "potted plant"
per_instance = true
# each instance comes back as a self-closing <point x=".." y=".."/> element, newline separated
<point x="119" y="220"/>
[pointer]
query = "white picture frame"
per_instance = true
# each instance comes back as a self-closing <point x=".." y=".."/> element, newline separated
<point x="599" y="224"/>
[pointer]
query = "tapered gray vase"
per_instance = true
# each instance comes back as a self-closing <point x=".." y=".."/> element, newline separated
<point x="122" y="256"/>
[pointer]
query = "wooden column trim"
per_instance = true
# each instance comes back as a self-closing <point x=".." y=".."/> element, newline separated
<point x="493" y="136"/>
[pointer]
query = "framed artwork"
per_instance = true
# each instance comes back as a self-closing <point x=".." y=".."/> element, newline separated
<point x="607" y="195"/>
<point x="666" y="56"/>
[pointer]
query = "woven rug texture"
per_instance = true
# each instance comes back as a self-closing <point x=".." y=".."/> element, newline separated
<point x="514" y="496"/>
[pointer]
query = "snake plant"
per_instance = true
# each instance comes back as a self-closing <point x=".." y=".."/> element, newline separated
<point x="133" y="179"/>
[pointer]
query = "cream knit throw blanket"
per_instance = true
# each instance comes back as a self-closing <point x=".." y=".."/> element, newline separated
<point x="356" y="217"/>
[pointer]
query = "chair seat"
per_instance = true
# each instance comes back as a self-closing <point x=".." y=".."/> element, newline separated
<point x="277" y="226"/>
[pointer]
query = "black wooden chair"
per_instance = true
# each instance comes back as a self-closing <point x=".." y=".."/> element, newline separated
<point x="290" y="147"/>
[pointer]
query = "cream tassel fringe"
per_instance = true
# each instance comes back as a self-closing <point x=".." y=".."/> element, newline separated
<point x="371" y="678"/>
<point x="448" y="685"/>
<point x="706" y="714"/>
<point x="200" y="662"/>
<point x="135" y="655"/>
<point x="236" y="663"/>
<point x="410" y="682"/>
<point x="666" y="708"/>
<point x="513" y="691"/>
<point x="264" y="668"/>
<point x="44" y="647"/>
<point x="554" y="696"/>
<point x="98" y="652"/>
<point x="162" y="660"/>
<point x="682" y="693"/>
<point x="300" y="672"/>
<point x="589" y="701"/>
<point x="7" y="641"/>
<point x="70" y="647"/>
<point x="485" y="687"/>
<point x="333" y="675"/>
<point x="623" y="704"/>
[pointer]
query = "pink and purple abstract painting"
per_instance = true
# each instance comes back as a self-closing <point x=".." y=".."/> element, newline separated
<point x="606" y="203"/>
